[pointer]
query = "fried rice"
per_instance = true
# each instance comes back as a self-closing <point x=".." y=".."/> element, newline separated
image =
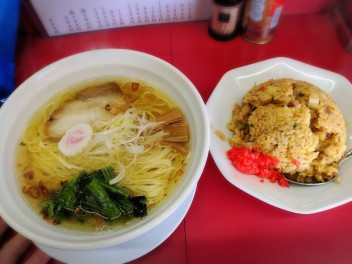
<point x="295" y="122"/>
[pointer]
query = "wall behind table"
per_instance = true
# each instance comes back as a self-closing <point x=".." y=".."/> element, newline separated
<point x="292" y="7"/>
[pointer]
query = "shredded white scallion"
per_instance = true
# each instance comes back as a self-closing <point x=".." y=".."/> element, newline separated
<point x="130" y="131"/>
<point x="120" y="176"/>
<point x="125" y="132"/>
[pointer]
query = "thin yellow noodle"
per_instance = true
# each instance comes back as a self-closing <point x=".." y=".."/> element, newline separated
<point x="151" y="173"/>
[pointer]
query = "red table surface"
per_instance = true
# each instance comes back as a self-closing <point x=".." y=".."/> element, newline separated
<point x="225" y="224"/>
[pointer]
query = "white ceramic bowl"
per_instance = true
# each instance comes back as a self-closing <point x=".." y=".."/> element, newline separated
<point x="35" y="91"/>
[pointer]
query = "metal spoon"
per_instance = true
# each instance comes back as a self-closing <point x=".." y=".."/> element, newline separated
<point x="345" y="157"/>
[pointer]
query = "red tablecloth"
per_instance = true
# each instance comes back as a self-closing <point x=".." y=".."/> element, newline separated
<point x="224" y="224"/>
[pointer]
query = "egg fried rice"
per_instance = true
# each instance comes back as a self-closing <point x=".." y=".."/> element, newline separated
<point x="295" y="122"/>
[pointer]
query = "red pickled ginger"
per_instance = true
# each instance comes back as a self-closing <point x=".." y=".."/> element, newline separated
<point x="252" y="161"/>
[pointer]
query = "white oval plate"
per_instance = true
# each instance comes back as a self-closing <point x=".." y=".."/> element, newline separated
<point x="232" y="87"/>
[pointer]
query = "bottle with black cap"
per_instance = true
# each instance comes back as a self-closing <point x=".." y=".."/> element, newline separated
<point x="225" y="18"/>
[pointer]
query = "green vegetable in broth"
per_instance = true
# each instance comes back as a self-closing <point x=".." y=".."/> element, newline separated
<point x="108" y="209"/>
<point x="93" y="195"/>
<point x="63" y="203"/>
<point x="126" y="206"/>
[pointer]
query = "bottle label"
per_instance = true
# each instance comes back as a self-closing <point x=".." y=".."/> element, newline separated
<point x="224" y="17"/>
<point x="257" y="10"/>
<point x="276" y="17"/>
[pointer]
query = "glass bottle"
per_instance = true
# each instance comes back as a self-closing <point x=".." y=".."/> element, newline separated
<point x="225" y="19"/>
<point x="260" y="19"/>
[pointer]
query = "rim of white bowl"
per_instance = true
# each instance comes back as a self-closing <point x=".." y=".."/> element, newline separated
<point x="13" y="208"/>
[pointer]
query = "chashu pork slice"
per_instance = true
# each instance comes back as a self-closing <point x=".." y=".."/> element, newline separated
<point x="108" y="95"/>
<point x="91" y="105"/>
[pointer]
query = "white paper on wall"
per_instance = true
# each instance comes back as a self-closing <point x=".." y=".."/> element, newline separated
<point x="76" y="16"/>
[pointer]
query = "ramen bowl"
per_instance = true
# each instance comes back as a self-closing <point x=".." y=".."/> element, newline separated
<point x="43" y="85"/>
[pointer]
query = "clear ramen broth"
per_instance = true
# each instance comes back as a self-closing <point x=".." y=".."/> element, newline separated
<point x="130" y="126"/>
